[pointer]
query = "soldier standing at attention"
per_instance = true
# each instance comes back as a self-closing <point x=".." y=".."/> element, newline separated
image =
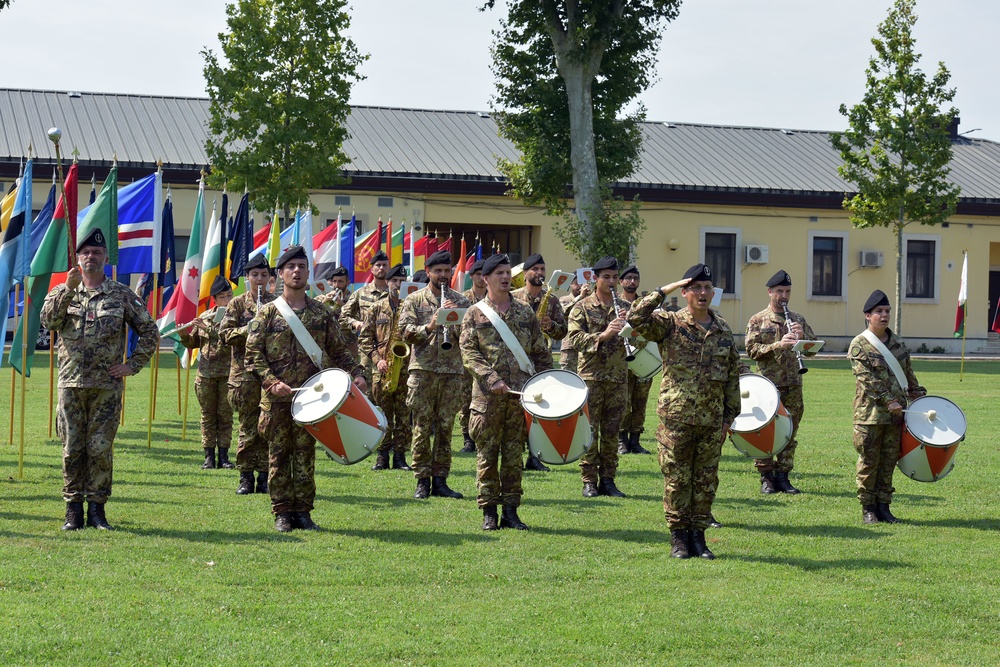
<point x="634" y="421"/>
<point x="362" y="300"/>
<point x="594" y="328"/>
<point x="879" y="359"/>
<point x="244" y="386"/>
<point x="89" y="312"/>
<point x="769" y="342"/>
<point x="378" y="335"/>
<point x="283" y="361"/>
<point x="567" y="355"/>
<point x="335" y="299"/>
<point x="699" y="398"/>
<point x="474" y="294"/>
<point x="497" y="365"/>
<point x="212" y="384"/>
<point x="435" y="384"/>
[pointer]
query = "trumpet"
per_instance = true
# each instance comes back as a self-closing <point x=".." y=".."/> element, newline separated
<point x="445" y="343"/>
<point x="629" y="347"/>
<point x="798" y="355"/>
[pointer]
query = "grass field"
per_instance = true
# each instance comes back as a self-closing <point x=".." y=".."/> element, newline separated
<point x="196" y="575"/>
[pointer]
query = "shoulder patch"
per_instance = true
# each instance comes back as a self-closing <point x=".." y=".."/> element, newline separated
<point x="254" y="325"/>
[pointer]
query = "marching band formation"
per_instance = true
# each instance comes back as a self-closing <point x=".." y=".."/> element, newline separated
<point x="382" y="371"/>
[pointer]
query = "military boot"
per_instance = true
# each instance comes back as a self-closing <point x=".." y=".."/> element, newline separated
<point x="439" y="487"/>
<point x="698" y="546"/>
<point x="74" y="516"/>
<point x="623" y="443"/>
<point x="399" y="461"/>
<point x="869" y="515"/>
<point x="283" y="522"/>
<point x="381" y="460"/>
<point x="607" y="487"/>
<point x="767" y="485"/>
<point x="246" y="484"/>
<point x="634" y="446"/>
<point x="679" y="543"/>
<point x="713" y="522"/>
<point x="261" y="482"/>
<point x="490" y="518"/>
<point x="590" y="490"/>
<point x="96" y="518"/>
<point x="423" y="489"/>
<point x="883" y="513"/>
<point x="304" y="521"/>
<point x="782" y="484"/>
<point x="511" y="520"/>
<point x="469" y="445"/>
<point x="209" y="463"/>
<point x="534" y="464"/>
<point x="224" y="461"/>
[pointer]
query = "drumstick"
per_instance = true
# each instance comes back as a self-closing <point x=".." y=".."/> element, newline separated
<point x="317" y="387"/>
<point x="931" y="414"/>
<point x="535" y="398"/>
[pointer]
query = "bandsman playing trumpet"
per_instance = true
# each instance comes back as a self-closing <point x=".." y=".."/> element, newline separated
<point x="335" y="299"/>
<point x="634" y="421"/>
<point x="474" y="294"/>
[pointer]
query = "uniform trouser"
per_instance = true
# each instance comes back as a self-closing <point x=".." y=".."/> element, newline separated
<point x="251" y="449"/>
<point x="397" y="415"/>
<point x="466" y="402"/>
<point x="291" y="478"/>
<point x="500" y="433"/>
<point x="877" y="446"/>
<point x="568" y="360"/>
<point x="791" y="398"/>
<point x="433" y="399"/>
<point x="606" y="402"/>
<point x="216" y="412"/>
<point x="634" y="420"/>
<point x="87" y="423"/>
<point x="689" y="461"/>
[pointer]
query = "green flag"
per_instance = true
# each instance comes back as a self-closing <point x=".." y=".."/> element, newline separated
<point x="103" y="214"/>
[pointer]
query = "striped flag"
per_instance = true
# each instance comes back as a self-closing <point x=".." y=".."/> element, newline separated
<point x="458" y="277"/>
<point x="304" y="225"/>
<point x="325" y="255"/>
<point x="398" y="246"/>
<point x="140" y="207"/>
<point x="963" y="295"/>
<point x="211" y="263"/>
<point x="103" y="215"/>
<point x="16" y="242"/>
<point x="346" y="253"/>
<point x="183" y="304"/>
<point x="366" y="248"/>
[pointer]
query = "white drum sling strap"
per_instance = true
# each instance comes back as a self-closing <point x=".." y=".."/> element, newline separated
<point x="508" y="337"/>
<point x="890" y="359"/>
<point x="307" y="342"/>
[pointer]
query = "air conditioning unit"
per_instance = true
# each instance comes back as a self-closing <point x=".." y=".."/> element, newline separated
<point x="756" y="254"/>
<point x="871" y="259"/>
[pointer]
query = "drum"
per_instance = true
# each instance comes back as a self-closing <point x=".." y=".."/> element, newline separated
<point x="338" y="414"/>
<point x="934" y="427"/>
<point x="559" y="429"/>
<point x="647" y="362"/>
<point x="763" y="428"/>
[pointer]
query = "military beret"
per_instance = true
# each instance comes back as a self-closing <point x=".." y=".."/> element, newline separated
<point x="440" y="257"/>
<point x="398" y="271"/>
<point x="258" y="261"/>
<point x="476" y="266"/>
<point x="698" y="273"/>
<point x="631" y="268"/>
<point x="219" y="286"/>
<point x="293" y="252"/>
<point x="339" y="271"/>
<point x="533" y="260"/>
<point x="94" y="239"/>
<point x="491" y="263"/>
<point x="380" y="256"/>
<point x="605" y="263"/>
<point x="421" y="277"/>
<point x="780" y="278"/>
<point x="878" y="298"/>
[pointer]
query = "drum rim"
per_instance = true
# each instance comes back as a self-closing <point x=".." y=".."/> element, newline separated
<point x="333" y="409"/>
<point x="961" y="437"/>
<point x="777" y="406"/>
<point x="579" y="408"/>
<point x="659" y="366"/>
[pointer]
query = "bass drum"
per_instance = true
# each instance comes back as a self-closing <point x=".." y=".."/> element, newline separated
<point x="934" y="427"/>
<point x="559" y="430"/>
<point x="647" y="362"/>
<point x="763" y="428"/>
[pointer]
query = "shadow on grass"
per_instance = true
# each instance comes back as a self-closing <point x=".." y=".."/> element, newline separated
<point x="208" y="536"/>
<point x="16" y="516"/>
<point x="637" y="536"/>
<point x="809" y="565"/>
<point x="370" y="501"/>
<point x="976" y="524"/>
<point x="416" y="537"/>
<point x="812" y="530"/>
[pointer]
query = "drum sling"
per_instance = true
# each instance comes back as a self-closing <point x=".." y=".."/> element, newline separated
<point x="890" y="359"/>
<point x="509" y="339"/>
<point x="305" y="340"/>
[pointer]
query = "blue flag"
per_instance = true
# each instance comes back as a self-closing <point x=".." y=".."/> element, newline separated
<point x="16" y="245"/>
<point x="346" y="241"/>
<point x="139" y="206"/>
<point x="242" y="236"/>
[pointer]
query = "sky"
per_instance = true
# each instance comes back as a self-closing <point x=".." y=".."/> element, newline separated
<point x="769" y="63"/>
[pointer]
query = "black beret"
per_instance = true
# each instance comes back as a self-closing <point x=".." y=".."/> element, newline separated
<point x="421" y="277"/>
<point x="94" y="239"/>
<point x="293" y="252"/>
<point x="605" y="263"/>
<point x="440" y="257"/>
<point x="780" y="278"/>
<point x="380" y="256"/>
<point x="340" y="271"/>
<point x="878" y="298"/>
<point x="532" y="260"/>
<point x="398" y="271"/>
<point x="476" y="266"/>
<point x="491" y="263"/>
<point x="631" y="268"/>
<point x="220" y="285"/>
<point x="698" y="273"/>
<point x="258" y="261"/>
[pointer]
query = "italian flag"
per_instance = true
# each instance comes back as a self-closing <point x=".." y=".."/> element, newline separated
<point x="963" y="295"/>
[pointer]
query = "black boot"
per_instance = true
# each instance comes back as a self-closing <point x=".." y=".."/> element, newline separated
<point x="209" y="463"/>
<point x="782" y="484"/>
<point x="246" y="484"/>
<point x="439" y="487"/>
<point x="304" y="521"/>
<point x="883" y="513"/>
<point x="261" y="482"/>
<point x="469" y="445"/>
<point x="713" y="522"/>
<point x="283" y="522"/>
<point x="399" y="461"/>
<point x="423" y="489"/>
<point x="623" y="443"/>
<point x="698" y="546"/>
<point x="224" y="461"/>
<point x="74" y="516"/>
<point x="490" y="518"/>
<point x="634" y="446"/>
<point x="511" y="520"/>
<point x="96" y="518"/>
<point x="869" y="515"/>
<point x="607" y="487"/>
<point x="679" y="538"/>
<point x="767" y="485"/>
<point x="534" y="464"/>
<point x="590" y="490"/>
<point x="381" y="460"/>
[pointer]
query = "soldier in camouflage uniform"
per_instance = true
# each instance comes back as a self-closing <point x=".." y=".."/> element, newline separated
<point x="594" y="331"/>
<point x="769" y="342"/>
<point x="436" y="376"/>
<point x="335" y="299"/>
<point x="89" y="312"/>
<point x="377" y="337"/>
<point x="474" y="294"/>
<point x="497" y="423"/>
<point x="280" y="361"/>
<point x="634" y="421"/>
<point x="699" y="398"/>
<point x="212" y="384"/>
<point x="362" y="300"/>
<point x="879" y="403"/>
<point x="244" y="386"/>
<point x="568" y="358"/>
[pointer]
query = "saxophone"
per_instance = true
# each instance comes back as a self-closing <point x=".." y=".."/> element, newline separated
<point x="398" y="352"/>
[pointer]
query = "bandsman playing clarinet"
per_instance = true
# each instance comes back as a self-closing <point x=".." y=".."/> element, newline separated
<point x="335" y="299"/>
<point x="474" y="294"/>
<point x="634" y="421"/>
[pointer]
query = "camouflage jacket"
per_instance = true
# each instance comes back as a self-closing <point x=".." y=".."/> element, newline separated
<point x="233" y="331"/>
<point x="566" y="303"/>
<point x="275" y="355"/>
<point x="425" y="348"/>
<point x="214" y="356"/>
<point x="701" y="376"/>
<point x="336" y="306"/>
<point x="763" y="341"/>
<point x="91" y="327"/>
<point x="557" y="329"/>
<point x="877" y="386"/>
<point x="605" y="360"/>
<point x="360" y="301"/>
<point x="487" y="357"/>
<point x="470" y="294"/>
<point x="377" y="333"/>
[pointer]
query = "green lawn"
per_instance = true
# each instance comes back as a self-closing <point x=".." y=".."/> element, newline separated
<point x="196" y="575"/>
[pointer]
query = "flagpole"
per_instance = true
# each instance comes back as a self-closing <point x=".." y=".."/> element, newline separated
<point x="24" y="373"/>
<point x="52" y="373"/>
<point x="152" y="375"/>
<point x="13" y="377"/>
<point x="187" y="387"/>
<point x="965" y="318"/>
<point x="156" y="357"/>
<point x="55" y="134"/>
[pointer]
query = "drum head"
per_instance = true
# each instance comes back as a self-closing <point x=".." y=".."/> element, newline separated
<point x="758" y="405"/>
<point x="947" y="427"/>
<point x="310" y="406"/>
<point x="563" y="393"/>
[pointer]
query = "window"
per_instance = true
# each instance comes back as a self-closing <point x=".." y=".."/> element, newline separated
<point x="342" y="200"/>
<point x="385" y="202"/>
<point x="920" y="269"/>
<point x="827" y="265"/>
<point x="720" y="256"/>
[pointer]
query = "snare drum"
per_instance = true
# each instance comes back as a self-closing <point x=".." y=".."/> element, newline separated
<point x="763" y="427"/>
<point x="559" y="429"/>
<point x="647" y="362"/>
<point x="934" y="427"/>
<point x="338" y="414"/>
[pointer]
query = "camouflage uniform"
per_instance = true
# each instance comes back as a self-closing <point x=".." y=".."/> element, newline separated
<point x="353" y="315"/>
<point x="244" y="386"/>
<point x="877" y="433"/>
<point x="557" y="329"/>
<point x="567" y="355"/>
<point x="91" y="327"/>
<point x="700" y="392"/>
<point x="602" y="365"/>
<point x="337" y="306"/>
<point x="274" y="355"/>
<point x="211" y="385"/>
<point x="435" y="382"/>
<point x="498" y="424"/>
<point x="376" y="334"/>
<point x="463" y="419"/>
<point x="634" y="419"/>
<point x="780" y="366"/>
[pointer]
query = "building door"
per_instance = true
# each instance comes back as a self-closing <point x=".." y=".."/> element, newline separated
<point x="994" y="298"/>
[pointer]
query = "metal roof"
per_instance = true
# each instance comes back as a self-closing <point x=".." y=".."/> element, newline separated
<point x="455" y="145"/>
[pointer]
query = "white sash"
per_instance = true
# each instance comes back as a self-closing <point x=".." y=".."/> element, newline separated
<point x="307" y="342"/>
<point x="890" y="359"/>
<point x="513" y="344"/>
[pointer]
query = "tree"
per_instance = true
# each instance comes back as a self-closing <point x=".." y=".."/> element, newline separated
<point x="566" y="70"/>
<point x="279" y="104"/>
<point x="898" y="147"/>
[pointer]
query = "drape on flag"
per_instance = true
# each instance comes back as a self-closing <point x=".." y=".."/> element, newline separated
<point x="103" y="215"/>
<point x="458" y="277"/>
<point x="304" y="224"/>
<point x="16" y="243"/>
<point x="211" y="262"/>
<point x="242" y="240"/>
<point x="365" y="249"/>
<point x="325" y="255"/>
<point x="347" y="259"/>
<point x="275" y="242"/>
<point x="183" y="304"/>
<point x="398" y="245"/>
<point x="7" y="206"/>
<point x="963" y="295"/>
<point x="140" y="206"/>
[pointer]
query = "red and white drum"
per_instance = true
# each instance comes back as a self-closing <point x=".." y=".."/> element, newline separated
<point x="555" y="407"/>
<point x="934" y="427"/>
<point x="763" y="428"/>
<point x="338" y="414"/>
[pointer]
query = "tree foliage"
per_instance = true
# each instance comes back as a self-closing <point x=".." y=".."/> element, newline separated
<point x="279" y="102"/>
<point x="898" y="145"/>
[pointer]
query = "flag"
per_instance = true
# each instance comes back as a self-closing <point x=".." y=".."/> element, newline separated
<point x="7" y="206"/>
<point x="424" y="247"/>
<point x="398" y="248"/>
<point x="224" y="222"/>
<point x="167" y="277"/>
<point x="304" y="223"/>
<point x="388" y="242"/>
<point x="140" y="206"/>
<point x="16" y="242"/>
<point x="380" y="233"/>
<point x="274" y="240"/>
<point x="458" y="277"/>
<point x="103" y="215"/>
<point x="284" y="240"/>
<point x="327" y="247"/>
<point x="408" y="253"/>
<point x="347" y="248"/>
<point x="211" y="263"/>
<point x="963" y="295"/>
<point x="364" y="250"/>
<point x="41" y="223"/>
<point x="243" y="240"/>
<point x="996" y="319"/>
<point x="183" y="304"/>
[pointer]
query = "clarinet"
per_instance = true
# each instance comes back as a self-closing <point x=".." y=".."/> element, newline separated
<point x="445" y="343"/>
<point x="629" y="347"/>
<point x="798" y="355"/>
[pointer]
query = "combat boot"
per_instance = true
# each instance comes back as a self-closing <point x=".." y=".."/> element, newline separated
<point x="283" y="522"/>
<point x="209" y="463"/>
<point x="439" y="487"/>
<point x="713" y="522"/>
<point x="224" y="461"/>
<point x="74" y="516"/>
<point x="607" y="487"/>
<point x="469" y="445"/>
<point x="782" y="484"/>
<point x="490" y="518"/>
<point x="634" y="446"/>
<point x="883" y="513"/>
<point x="96" y="518"/>
<point x="623" y="443"/>
<point x="381" y="460"/>
<point x="869" y="515"/>
<point x="399" y="461"/>
<point x="511" y="520"/>
<point x="679" y="543"/>
<point x="534" y="464"/>
<point x="590" y="490"/>
<point x="246" y="484"/>
<point x="423" y="489"/>
<point x="767" y="485"/>
<point x="698" y="546"/>
<point x="304" y="521"/>
<point x="261" y="482"/>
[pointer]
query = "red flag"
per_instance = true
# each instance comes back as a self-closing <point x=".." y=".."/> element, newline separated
<point x="458" y="277"/>
<point x="996" y="319"/>
<point x="363" y="253"/>
<point x="379" y="234"/>
<point x="261" y="235"/>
